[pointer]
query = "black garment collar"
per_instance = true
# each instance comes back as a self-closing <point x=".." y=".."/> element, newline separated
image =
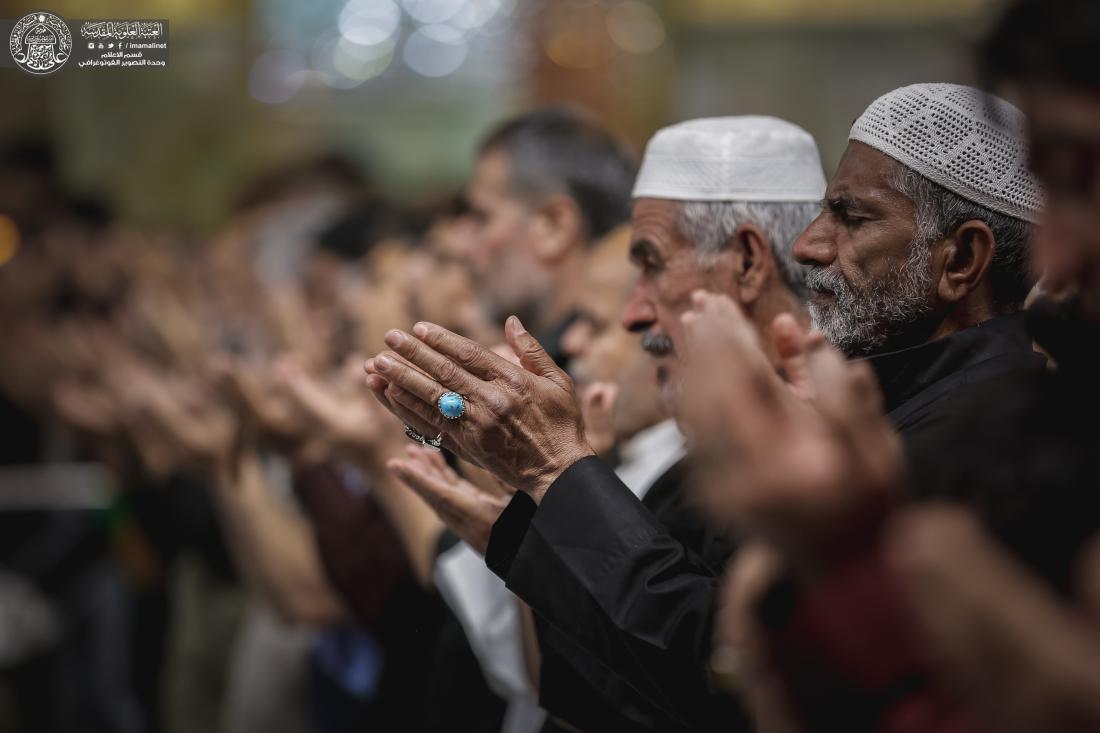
<point x="905" y="373"/>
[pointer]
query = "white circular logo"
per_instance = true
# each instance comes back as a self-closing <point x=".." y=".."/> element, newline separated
<point x="40" y="43"/>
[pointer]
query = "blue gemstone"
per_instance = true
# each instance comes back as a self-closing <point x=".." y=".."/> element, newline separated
<point x="452" y="405"/>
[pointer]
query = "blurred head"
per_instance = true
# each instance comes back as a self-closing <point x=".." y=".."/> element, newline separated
<point x="371" y="239"/>
<point x="600" y="349"/>
<point x="544" y="186"/>
<point x="453" y="233"/>
<point x="606" y="285"/>
<point x="917" y="236"/>
<point x="718" y="206"/>
<point x="329" y="172"/>
<point x="1046" y="51"/>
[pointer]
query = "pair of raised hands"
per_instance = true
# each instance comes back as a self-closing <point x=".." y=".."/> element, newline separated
<point x="791" y="460"/>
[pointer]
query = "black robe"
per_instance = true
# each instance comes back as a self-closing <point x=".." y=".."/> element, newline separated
<point x="580" y="689"/>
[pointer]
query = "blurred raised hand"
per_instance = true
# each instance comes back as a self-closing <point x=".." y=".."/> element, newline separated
<point x="1025" y="657"/>
<point x="466" y="509"/>
<point x="741" y="659"/>
<point x="339" y="410"/>
<point x="249" y="387"/>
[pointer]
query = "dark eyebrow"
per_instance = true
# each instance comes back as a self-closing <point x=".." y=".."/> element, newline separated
<point x="842" y="200"/>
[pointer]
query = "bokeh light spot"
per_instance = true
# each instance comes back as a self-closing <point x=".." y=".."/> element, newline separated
<point x="635" y="27"/>
<point x="435" y="50"/>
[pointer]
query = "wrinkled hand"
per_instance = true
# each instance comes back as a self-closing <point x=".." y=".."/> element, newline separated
<point x="469" y="512"/>
<point x="522" y="423"/>
<point x="797" y="471"/>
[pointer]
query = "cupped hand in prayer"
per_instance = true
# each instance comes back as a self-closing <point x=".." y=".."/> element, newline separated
<point x="466" y="509"/>
<point x="521" y="423"/>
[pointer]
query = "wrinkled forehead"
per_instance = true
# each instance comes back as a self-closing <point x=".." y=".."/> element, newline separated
<point x="868" y="175"/>
<point x="655" y="224"/>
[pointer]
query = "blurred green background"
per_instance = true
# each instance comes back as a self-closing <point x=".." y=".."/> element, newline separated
<point x="407" y="86"/>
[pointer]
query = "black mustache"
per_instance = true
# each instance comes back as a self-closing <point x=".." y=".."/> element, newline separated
<point x="658" y="344"/>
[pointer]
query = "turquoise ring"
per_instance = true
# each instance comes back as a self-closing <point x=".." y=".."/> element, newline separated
<point x="451" y="405"/>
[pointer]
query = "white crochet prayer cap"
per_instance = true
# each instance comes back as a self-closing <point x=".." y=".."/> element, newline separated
<point x="968" y="141"/>
<point x="750" y="158"/>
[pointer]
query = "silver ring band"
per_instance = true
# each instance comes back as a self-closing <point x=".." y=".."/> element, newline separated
<point x="414" y="435"/>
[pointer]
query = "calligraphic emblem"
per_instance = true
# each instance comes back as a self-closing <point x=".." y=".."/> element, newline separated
<point x="40" y="43"/>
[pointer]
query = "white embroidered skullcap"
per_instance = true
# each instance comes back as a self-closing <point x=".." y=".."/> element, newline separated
<point x="968" y="141"/>
<point x="749" y="158"/>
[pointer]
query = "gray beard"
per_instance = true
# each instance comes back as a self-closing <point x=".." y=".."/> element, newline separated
<point x="860" y="320"/>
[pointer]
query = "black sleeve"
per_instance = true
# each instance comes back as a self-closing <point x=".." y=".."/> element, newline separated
<point x="598" y="566"/>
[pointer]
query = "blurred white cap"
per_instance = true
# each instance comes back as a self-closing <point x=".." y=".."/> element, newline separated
<point x="748" y="158"/>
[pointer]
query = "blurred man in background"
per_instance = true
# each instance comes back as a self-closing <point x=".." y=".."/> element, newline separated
<point x="545" y="186"/>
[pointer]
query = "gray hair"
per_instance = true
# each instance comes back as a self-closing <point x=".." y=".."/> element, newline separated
<point x="940" y="212"/>
<point x="711" y="224"/>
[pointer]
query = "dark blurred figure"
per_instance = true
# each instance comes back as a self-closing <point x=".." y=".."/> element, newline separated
<point x="80" y="678"/>
<point x="29" y="188"/>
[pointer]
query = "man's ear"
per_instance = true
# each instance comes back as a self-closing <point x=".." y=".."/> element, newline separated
<point x="751" y="261"/>
<point x="558" y="229"/>
<point x="965" y="257"/>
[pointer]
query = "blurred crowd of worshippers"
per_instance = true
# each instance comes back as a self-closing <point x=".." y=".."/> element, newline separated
<point x="704" y="438"/>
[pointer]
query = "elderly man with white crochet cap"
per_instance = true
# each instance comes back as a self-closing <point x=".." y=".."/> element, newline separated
<point x="925" y="224"/>
<point x="919" y="257"/>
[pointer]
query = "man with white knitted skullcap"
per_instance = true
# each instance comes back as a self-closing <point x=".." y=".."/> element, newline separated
<point x="925" y="223"/>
